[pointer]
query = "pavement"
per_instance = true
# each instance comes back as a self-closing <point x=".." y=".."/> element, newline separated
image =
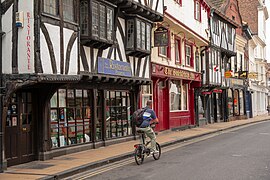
<point x="67" y="165"/>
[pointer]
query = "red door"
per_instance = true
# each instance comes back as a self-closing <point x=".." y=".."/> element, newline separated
<point x="162" y="102"/>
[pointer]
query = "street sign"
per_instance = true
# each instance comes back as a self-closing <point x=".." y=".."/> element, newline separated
<point x="228" y="74"/>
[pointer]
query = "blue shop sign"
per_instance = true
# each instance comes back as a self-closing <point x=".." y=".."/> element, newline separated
<point x="113" y="67"/>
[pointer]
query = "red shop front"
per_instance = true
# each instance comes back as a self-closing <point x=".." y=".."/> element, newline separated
<point x="173" y="95"/>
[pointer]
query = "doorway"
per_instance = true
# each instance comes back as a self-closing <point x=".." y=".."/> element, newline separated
<point x="19" y="130"/>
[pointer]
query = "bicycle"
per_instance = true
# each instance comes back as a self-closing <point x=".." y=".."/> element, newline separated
<point x="141" y="150"/>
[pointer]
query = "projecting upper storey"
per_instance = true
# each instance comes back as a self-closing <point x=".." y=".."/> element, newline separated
<point x="150" y="9"/>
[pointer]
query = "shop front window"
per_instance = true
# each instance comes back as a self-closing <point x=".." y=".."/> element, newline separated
<point x="236" y="102"/>
<point x="185" y="97"/>
<point x="146" y="94"/>
<point x="175" y="95"/>
<point x="70" y="117"/>
<point x="118" y="114"/>
<point x="241" y="101"/>
<point x="230" y="102"/>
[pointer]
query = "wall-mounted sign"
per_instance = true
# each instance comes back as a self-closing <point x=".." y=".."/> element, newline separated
<point x="161" y="37"/>
<point x="253" y="75"/>
<point x="113" y="67"/>
<point x="243" y="74"/>
<point x="165" y="71"/>
<point x="19" y="19"/>
<point x="234" y="81"/>
<point x="228" y="74"/>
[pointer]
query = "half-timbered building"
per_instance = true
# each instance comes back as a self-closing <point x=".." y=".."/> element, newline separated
<point x="217" y="69"/>
<point x="72" y="71"/>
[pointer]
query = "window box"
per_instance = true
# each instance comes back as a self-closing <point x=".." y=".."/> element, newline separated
<point x="138" y="42"/>
<point x="97" y="23"/>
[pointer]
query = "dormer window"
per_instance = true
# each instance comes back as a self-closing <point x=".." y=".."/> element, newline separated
<point x="138" y="37"/>
<point x="96" y="23"/>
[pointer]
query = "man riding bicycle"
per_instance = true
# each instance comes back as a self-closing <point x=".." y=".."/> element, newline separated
<point x="149" y="117"/>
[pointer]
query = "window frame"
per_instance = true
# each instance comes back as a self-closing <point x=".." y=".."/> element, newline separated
<point x="197" y="10"/>
<point x="141" y="29"/>
<point x="57" y="8"/>
<point x="191" y="63"/>
<point x="230" y="40"/>
<point x="168" y="48"/>
<point x="90" y="31"/>
<point x="179" y="47"/>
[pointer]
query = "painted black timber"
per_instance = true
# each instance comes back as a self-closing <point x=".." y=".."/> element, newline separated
<point x="50" y="47"/>
<point x="92" y="59"/>
<point x="99" y="54"/>
<point x="138" y="66"/>
<point x="119" y="52"/>
<point x="37" y="61"/>
<point x="69" y="47"/>
<point x="5" y="5"/>
<point x="109" y="56"/>
<point x="61" y="37"/>
<point x="14" y="39"/>
<point x="84" y="59"/>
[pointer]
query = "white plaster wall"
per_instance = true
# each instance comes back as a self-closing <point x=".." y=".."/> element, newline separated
<point x="73" y="63"/>
<point x="45" y="55"/>
<point x="7" y="41"/>
<point x="25" y="64"/>
<point x="261" y="25"/>
<point x="54" y="33"/>
<point x="185" y="14"/>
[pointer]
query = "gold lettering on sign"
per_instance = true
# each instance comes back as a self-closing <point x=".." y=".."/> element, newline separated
<point x="119" y="67"/>
<point x="179" y="73"/>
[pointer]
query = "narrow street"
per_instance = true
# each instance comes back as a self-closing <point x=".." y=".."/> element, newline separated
<point x="240" y="154"/>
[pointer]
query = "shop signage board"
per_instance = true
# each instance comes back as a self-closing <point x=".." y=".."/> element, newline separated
<point x="252" y="75"/>
<point x="161" y="37"/>
<point x="165" y="71"/>
<point x="113" y="67"/>
<point x="228" y="74"/>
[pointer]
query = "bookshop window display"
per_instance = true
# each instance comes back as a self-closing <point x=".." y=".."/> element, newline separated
<point x="70" y="117"/>
<point x="178" y="96"/>
<point x="118" y="114"/>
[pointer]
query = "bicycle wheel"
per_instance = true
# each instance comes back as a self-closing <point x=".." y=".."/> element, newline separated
<point x="138" y="155"/>
<point x="156" y="156"/>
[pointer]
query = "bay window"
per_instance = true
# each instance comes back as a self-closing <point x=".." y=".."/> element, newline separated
<point x="96" y="23"/>
<point x="138" y="37"/>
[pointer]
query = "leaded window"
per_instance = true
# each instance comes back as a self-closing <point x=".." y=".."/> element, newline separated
<point x="52" y="7"/>
<point x="138" y="37"/>
<point x="96" y="22"/>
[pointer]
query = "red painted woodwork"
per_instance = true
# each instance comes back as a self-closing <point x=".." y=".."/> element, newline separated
<point x="180" y="118"/>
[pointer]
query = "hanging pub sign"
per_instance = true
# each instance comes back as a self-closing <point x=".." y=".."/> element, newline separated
<point x="161" y="37"/>
<point x="243" y="74"/>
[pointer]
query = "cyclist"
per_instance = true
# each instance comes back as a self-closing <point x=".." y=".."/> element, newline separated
<point x="149" y="117"/>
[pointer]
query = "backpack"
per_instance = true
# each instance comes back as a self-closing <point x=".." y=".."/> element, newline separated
<point x="137" y="117"/>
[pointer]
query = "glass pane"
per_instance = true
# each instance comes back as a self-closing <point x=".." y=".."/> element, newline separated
<point x="68" y="11"/>
<point x="86" y="97"/>
<point x="109" y="23"/>
<point x="102" y="19"/>
<point x="70" y="98"/>
<point x="148" y="37"/>
<point x="177" y="55"/>
<point x="50" y="7"/>
<point x="175" y="95"/>
<point x="62" y="98"/>
<point x="95" y="21"/>
<point x="84" y="17"/>
<point x="139" y="34"/>
<point x="54" y="100"/>
<point x="130" y="34"/>
<point x="79" y="98"/>
<point x="143" y="35"/>
<point x="185" y="97"/>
